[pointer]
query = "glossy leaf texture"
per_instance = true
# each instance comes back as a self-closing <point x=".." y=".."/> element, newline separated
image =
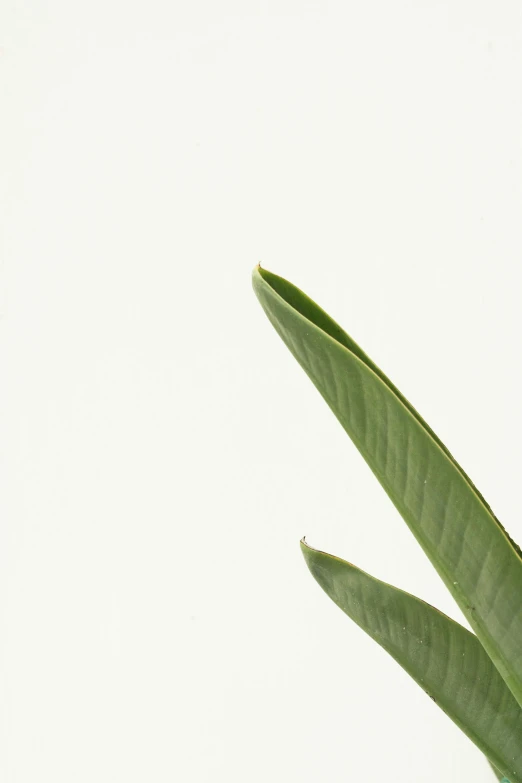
<point x="470" y="549"/>
<point x="444" y="658"/>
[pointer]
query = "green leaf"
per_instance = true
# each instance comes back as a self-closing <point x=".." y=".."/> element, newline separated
<point x="468" y="546"/>
<point x="498" y="774"/>
<point x="444" y="658"/>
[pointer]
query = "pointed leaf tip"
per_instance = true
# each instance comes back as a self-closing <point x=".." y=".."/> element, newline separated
<point x="470" y="549"/>
<point x="445" y="659"/>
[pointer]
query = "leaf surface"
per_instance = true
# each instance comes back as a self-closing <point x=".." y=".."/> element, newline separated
<point x="444" y="658"/>
<point x="468" y="546"/>
<point x="498" y="774"/>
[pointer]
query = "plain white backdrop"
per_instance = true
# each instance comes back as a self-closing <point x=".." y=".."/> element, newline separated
<point x="162" y="453"/>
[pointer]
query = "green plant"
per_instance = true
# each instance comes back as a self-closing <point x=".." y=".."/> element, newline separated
<point x="476" y="678"/>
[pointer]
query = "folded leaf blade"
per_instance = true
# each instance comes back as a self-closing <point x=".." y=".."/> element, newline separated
<point x="444" y="658"/>
<point x="465" y="542"/>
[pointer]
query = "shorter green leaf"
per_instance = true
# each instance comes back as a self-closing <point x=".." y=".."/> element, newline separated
<point x="444" y="658"/>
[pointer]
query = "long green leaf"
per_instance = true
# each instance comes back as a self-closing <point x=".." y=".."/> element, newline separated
<point x="471" y="551"/>
<point x="444" y="658"/>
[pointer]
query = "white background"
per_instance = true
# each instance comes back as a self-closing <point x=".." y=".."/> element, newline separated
<point x="162" y="453"/>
